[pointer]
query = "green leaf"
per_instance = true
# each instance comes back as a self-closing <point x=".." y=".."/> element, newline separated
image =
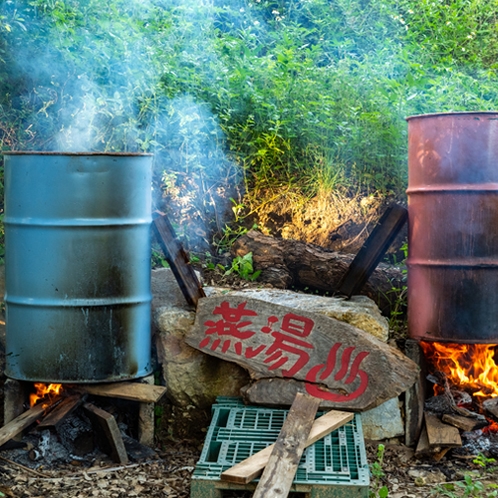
<point x="383" y="492"/>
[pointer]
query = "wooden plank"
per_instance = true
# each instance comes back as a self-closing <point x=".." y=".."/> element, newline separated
<point x="464" y="423"/>
<point x="20" y="423"/>
<point x="251" y="467"/>
<point x="178" y="259"/>
<point x="373" y="250"/>
<point x="423" y="443"/>
<point x="282" y="465"/>
<point x="133" y="391"/>
<point x="415" y="396"/>
<point x="425" y="450"/>
<point x="107" y="428"/>
<point x="440" y="434"/>
<point x="439" y="455"/>
<point x="64" y="408"/>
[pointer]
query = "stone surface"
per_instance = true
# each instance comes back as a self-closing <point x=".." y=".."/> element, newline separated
<point x="359" y="311"/>
<point x="427" y="476"/>
<point x="383" y="421"/>
<point x="146" y="418"/>
<point x="165" y="291"/>
<point x="15" y="397"/>
<point x="192" y="378"/>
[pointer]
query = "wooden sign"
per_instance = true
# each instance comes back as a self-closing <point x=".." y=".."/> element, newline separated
<point x="336" y="362"/>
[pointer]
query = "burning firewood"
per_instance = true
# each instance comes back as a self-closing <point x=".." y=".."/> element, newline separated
<point x="491" y="406"/>
<point x="64" y="408"/>
<point x="464" y="375"/>
<point x="23" y="421"/>
<point x="465" y="423"/>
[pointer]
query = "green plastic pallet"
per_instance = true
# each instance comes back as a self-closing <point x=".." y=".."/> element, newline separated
<point x="335" y="466"/>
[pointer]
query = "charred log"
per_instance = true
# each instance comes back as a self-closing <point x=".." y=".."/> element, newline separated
<point x="76" y="435"/>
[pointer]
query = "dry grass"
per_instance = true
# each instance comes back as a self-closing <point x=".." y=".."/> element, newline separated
<point x="333" y="219"/>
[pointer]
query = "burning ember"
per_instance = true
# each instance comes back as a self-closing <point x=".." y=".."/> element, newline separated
<point x="468" y="367"/>
<point x="44" y="391"/>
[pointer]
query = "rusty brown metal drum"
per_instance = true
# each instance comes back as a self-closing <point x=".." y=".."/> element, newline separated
<point x="453" y="227"/>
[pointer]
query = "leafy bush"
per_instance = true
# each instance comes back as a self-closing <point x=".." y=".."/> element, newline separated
<point x="262" y="94"/>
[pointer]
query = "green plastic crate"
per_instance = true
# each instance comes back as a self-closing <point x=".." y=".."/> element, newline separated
<point x="334" y="466"/>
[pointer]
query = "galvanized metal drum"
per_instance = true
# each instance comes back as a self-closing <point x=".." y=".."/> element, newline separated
<point x="77" y="259"/>
<point x="453" y="227"/>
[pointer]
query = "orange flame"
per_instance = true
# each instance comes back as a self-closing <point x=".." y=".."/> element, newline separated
<point x="44" y="391"/>
<point x="468" y="367"/>
<point x="492" y="427"/>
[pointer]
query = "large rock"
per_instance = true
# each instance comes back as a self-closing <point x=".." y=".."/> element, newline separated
<point x="194" y="378"/>
<point x="383" y="422"/>
<point x="359" y="311"/>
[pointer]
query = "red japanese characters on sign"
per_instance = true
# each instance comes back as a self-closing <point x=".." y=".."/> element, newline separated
<point x="354" y="373"/>
<point x="288" y="349"/>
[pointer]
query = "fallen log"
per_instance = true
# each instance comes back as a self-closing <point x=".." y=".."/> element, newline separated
<point x="286" y="263"/>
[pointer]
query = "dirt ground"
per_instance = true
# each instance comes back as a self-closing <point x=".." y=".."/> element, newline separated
<point x="169" y="476"/>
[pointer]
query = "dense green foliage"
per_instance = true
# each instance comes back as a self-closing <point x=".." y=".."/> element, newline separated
<point x="305" y="93"/>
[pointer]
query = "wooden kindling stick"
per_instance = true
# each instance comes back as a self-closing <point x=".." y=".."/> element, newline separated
<point x="23" y="421"/>
<point x="282" y="465"/>
<point x="177" y="258"/>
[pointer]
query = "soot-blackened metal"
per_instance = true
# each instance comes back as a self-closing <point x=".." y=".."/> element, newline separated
<point x="453" y="227"/>
<point x="77" y="231"/>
